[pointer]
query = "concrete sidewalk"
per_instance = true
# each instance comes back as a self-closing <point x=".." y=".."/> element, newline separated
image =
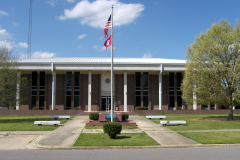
<point x="160" y="134"/>
<point x="65" y="135"/>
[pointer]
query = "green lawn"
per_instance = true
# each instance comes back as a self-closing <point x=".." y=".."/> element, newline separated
<point x="124" y="139"/>
<point x="25" y="123"/>
<point x="214" y="137"/>
<point x="202" y="121"/>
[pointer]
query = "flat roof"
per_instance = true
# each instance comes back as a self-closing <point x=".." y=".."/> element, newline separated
<point x="77" y="60"/>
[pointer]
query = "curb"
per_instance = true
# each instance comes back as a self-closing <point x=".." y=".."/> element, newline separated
<point x="132" y="147"/>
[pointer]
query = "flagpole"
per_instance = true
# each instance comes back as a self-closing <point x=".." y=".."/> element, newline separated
<point x="112" y="107"/>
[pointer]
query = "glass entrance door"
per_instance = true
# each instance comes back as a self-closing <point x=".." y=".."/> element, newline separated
<point x="105" y="103"/>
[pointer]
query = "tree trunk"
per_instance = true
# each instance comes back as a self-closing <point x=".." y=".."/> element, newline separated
<point x="230" y="113"/>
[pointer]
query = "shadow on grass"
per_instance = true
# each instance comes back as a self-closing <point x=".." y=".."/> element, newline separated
<point x="25" y="120"/>
<point x="221" y="118"/>
<point x="122" y="137"/>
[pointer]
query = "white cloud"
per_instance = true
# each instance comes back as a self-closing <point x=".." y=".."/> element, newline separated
<point x="95" y="14"/>
<point x="4" y="34"/>
<point x="101" y="48"/>
<point x="38" y="54"/>
<point x="81" y="36"/>
<point x="15" y="24"/>
<point x="95" y="46"/>
<point x="70" y="1"/>
<point x="8" y="45"/>
<point x="22" y="45"/>
<point x="2" y="13"/>
<point x="43" y="55"/>
<point x="79" y="46"/>
<point x="52" y="2"/>
<point x="100" y="38"/>
<point x="147" y="55"/>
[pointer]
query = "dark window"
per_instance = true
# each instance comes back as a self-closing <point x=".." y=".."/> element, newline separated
<point x="34" y="90"/>
<point x="171" y="81"/>
<point x="76" y="89"/>
<point x="76" y="79"/>
<point x="68" y="102"/>
<point x="138" y="79"/>
<point x="34" y="101"/>
<point x="76" y="101"/>
<point x="138" y="100"/>
<point x="69" y="80"/>
<point x="145" y="80"/>
<point x="145" y="101"/>
<point x="179" y="101"/>
<point x="42" y="78"/>
<point x="172" y="102"/>
<point x="34" y="78"/>
<point x="41" y="102"/>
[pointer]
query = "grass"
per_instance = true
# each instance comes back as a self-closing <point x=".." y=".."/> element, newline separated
<point x="101" y="127"/>
<point x="124" y="139"/>
<point x="214" y="137"/>
<point x="202" y="122"/>
<point x="25" y="123"/>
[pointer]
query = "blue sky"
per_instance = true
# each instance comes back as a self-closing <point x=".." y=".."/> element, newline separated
<point x="74" y="28"/>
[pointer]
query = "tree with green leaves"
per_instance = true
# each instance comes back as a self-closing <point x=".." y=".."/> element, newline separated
<point x="213" y="67"/>
<point x="9" y="79"/>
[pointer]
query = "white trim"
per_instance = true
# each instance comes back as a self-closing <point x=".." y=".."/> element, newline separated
<point x="89" y="91"/>
<point x="125" y="92"/>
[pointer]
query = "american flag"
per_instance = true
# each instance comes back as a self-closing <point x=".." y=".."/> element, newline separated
<point x="107" y="26"/>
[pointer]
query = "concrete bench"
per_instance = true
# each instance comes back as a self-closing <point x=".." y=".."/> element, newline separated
<point x="40" y="123"/>
<point x="167" y="123"/>
<point x="56" y="117"/>
<point x="160" y="117"/>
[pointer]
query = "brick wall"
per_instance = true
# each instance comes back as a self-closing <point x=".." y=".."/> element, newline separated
<point x="165" y="92"/>
<point x="83" y="91"/>
<point x="131" y="89"/>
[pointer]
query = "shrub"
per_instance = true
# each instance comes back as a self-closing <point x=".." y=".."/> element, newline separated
<point x="140" y="108"/>
<point x="35" y="108"/>
<point x="125" y="117"/>
<point x="94" y="116"/>
<point x="179" y="108"/>
<point x="112" y="129"/>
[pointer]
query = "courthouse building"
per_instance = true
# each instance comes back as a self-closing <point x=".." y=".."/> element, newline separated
<point x="85" y="84"/>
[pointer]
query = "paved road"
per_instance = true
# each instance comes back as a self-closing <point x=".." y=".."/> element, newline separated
<point x="212" y="153"/>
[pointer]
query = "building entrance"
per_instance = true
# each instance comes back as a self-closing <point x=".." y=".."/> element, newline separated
<point x="106" y="103"/>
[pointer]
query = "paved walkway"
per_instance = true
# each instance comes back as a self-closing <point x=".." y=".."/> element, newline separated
<point x="65" y="135"/>
<point x="160" y="134"/>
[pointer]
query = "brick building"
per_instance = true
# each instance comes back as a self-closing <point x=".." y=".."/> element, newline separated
<point x="84" y="83"/>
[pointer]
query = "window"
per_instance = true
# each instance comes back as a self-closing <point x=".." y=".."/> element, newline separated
<point x="171" y="91"/>
<point x="42" y="91"/>
<point x="34" y="90"/>
<point x="141" y="91"/>
<point x="179" y="92"/>
<point x="68" y="90"/>
<point x="138" y="88"/>
<point x="72" y="92"/>
<point x="76" y="89"/>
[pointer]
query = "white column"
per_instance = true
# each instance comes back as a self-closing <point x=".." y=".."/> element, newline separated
<point x="160" y="90"/>
<point x="18" y="90"/>
<point x="125" y="91"/>
<point x="53" y="89"/>
<point x="194" y="96"/>
<point x="89" y="90"/>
